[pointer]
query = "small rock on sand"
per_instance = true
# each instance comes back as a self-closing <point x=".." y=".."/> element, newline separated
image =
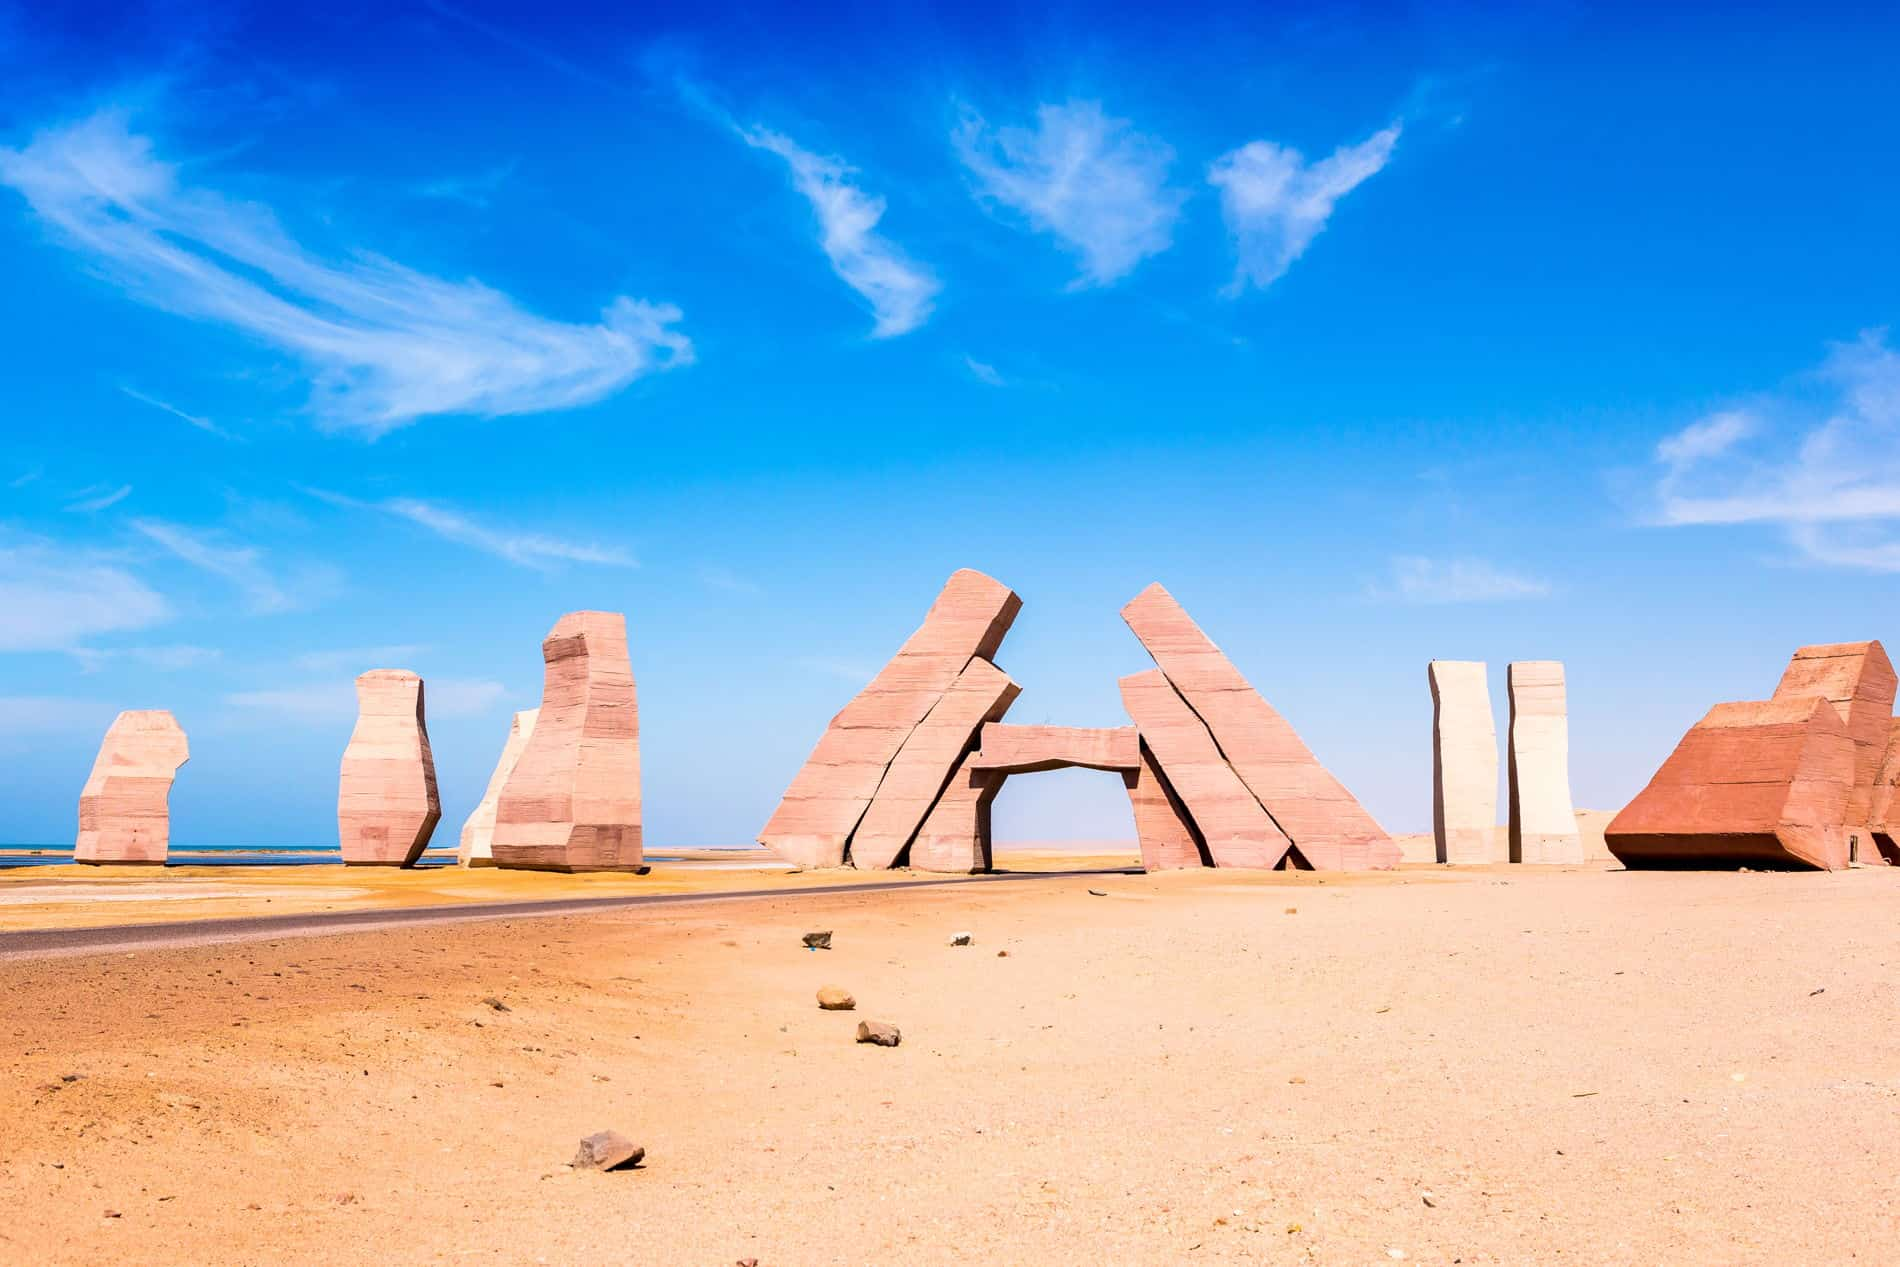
<point x="833" y="999"/>
<point x="879" y="1033"/>
<point x="607" y="1150"/>
<point x="962" y="939"/>
<point x="818" y="941"/>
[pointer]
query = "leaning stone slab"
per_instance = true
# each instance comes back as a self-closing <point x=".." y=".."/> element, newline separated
<point x="923" y="765"/>
<point x="1237" y="831"/>
<point x="1168" y="838"/>
<point x="1858" y="680"/>
<point x="1028" y="749"/>
<point x="1464" y="762"/>
<point x="1884" y="807"/>
<point x="478" y="831"/>
<point x="572" y="802"/>
<point x="1330" y="828"/>
<point x="1543" y="822"/>
<point x="125" y="807"/>
<point x="955" y="835"/>
<point x="830" y="793"/>
<point x="386" y="801"/>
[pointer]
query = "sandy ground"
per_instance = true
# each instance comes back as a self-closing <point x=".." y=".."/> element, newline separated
<point x="1503" y="1066"/>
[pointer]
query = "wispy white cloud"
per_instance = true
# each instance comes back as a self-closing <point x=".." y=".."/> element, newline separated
<point x="898" y="289"/>
<point x="335" y="700"/>
<point x="529" y="549"/>
<point x="1417" y="579"/>
<point x="1091" y="180"/>
<point x="1275" y="202"/>
<point x="984" y="373"/>
<point x="29" y="715"/>
<point x="1820" y="458"/>
<point x="54" y="598"/>
<point x="385" y="344"/>
<point x="98" y="498"/>
<point x="242" y="565"/>
<point x="202" y="424"/>
<point x="168" y="659"/>
<point x="26" y="477"/>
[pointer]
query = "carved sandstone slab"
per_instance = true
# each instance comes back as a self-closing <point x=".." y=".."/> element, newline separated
<point x="1858" y="680"/>
<point x="478" y="832"/>
<point x="1464" y="762"/>
<point x="386" y="801"/>
<point x="1331" y="829"/>
<point x="1167" y="835"/>
<point x="1884" y="808"/>
<point x="1755" y="783"/>
<point x="572" y="802"/>
<point x="1543" y="821"/>
<point x="955" y="835"/>
<point x="830" y="793"/>
<point x="923" y="765"/>
<point x="1026" y="749"/>
<point x="125" y="807"/>
<point x="1237" y="831"/>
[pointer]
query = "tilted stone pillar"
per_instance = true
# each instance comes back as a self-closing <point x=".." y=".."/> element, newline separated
<point x="386" y="804"/>
<point x="478" y="831"/>
<point x="125" y="808"/>
<point x="1543" y="822"/>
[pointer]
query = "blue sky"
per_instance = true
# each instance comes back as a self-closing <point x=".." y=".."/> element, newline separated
<point x="382" y="336"/>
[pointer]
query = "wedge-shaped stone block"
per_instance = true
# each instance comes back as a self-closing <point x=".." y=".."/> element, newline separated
<point x="1331" y="829"/>
<point x="830" y="793"/>
<point x="1884" y="806"/>
<point x="477" y="847"/>
<point x="125" y="807"/>
<point x="1543" y="822"/>
<point x="1237" y="831"/>
<point x="1464" y="763"/>
<point x="386" y="801"/>
<point x="1167" y="835"/>
<point x="955" y="835"/>
<point x="1761" y="783"/>
<point x="572" y="802"/>
<point x="923" y="765"/>
<point x="1026" y="749"/>
<point x="1858" y="680"/>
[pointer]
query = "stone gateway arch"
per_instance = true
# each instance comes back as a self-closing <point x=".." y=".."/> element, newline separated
<point x="906" y="773"/>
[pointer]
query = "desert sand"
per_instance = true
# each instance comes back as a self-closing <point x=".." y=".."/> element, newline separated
<point x="1504" y="1065"/>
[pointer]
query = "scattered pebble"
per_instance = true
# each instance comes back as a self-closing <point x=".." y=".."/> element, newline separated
<point x="497" y="1004"/>
<point x="1002" y="954"/>
<point x="1297" y="1081"/>
<point x="879" y="1033"/>
<point x="1292" y="910"/>
<point x="1097" y="893"/>
<point x="607" y="1150"/>
<point x="1426" y="1197"/>
<point x="962" y="939"/>
<point x="114" y="1214"/>
<point x="834" y="999"/>
<point x="71" y="1077"/>
<point x="818" y="941"/>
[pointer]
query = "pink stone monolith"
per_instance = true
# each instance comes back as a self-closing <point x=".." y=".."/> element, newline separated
<point x="1166" y="834"/>
<point x="955" y="835"/>
<point x="1756" y="783"/>
<point x="831" y="791"/>
<point x="125" y="807"/>
<point x="1884" y="806"/>
<point x="1858" y="680"/>
<point x="1236" y="830"/>
<point x="1027" y="749"/>
<point x="1331" y="829"/>
<point x="572" y="802"/>
<point x="1464" y="763"/>
<point x="923" y="765"/>
<point x="478" y="831"/>
<point x="386" y="801"/>
<point x="1543" y="822"/>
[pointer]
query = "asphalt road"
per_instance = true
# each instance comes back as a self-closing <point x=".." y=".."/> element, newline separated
<point x="61" y="942"/>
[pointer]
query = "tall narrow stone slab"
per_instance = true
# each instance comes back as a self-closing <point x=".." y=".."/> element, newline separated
<point x="1758" y="783"/>
<point x="1027" y="749"/>
<point x="1884" y="807"/>
<point x="572" y="802"/>
<point x="955" y="835"/>
<point x="1464" y="762"/>
<point x="1543" y="821"/>
<point x="478" y="830"/>
<point x="923" y="765"/>
<point x="1237" y="831"/>
<point x="1167" y="835"/>
<point x="125" y="807"/>
<point x="386" y="801"/>
<point x="1330" y="828"/>
<point x="1858" y="680"/>
<point x="830" y="793"/>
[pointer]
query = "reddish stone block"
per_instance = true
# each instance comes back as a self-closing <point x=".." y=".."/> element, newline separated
<point x="1330" y="828"/>
<point x="1858" y="680"/>
<point x="386" y="800"/>
<point x="955" y="835"/>
<point x="1166" y="833"/>
<point x="125" y="807"/>
<point x="923" y="765"/>
<point x="572" y="802"/>
<point x="477" y="846"/>
<point x="1755" y="783"/>
<point x="1237" y="831"/>
<point x="830" y="793"/>
<point x="1027" y="749"/>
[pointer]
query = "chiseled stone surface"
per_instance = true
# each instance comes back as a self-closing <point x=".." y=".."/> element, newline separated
<point x="1027" y="749"/>
<point x="923" y="765"/>
<point x="1543" y="821"/>
<point x="1237" y="831"/>
<point x="1884" y="808"/>
<point x="572" y="802"/>
<point x="1858" y="680"/>
<point x="1761" y="782"/>
<point x="125" y="807"/>
<point x="955" y="835"/>
<point x="1168" y="838"/>
<point x="478" y="832"/>
<point x="386" y="801"/>
<point x="1464" y="762"/>
<point x="1331" y="829"/>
